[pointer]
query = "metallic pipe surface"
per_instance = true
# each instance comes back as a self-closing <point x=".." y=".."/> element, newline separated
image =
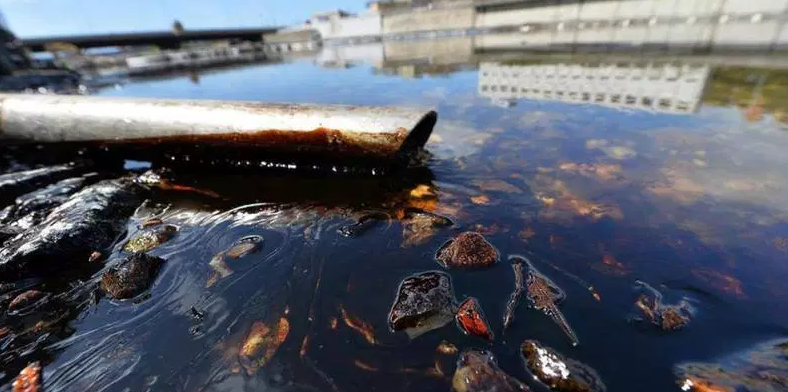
<point x="376" y="132"/>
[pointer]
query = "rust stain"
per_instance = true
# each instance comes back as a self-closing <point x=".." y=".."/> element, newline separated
<point x="304" y="347"/>
<point x="29" y="379"/>
<point x="561" y="204"/>
<point x="167" y="186"/>
<point x="151" y="222"/>
<point x="421" y="191"/>
<point x="439" y="369"/>
<point x="555" y="240"/>
<point x="699" y="385"/>
<point x="471" y="319"/>
<point x="601" y="171"/>
<point x="527" y="234"/>
<point x="359" y="326"/>
<point x="262" y="342"/>
<point x="423" y="204"/>
<point x="95" y="256"/>
<point x="497" y="186"/>
<point x="608" y="259"/>
<point x="480" y="200"/>
<point x="781" y="243"/>
<point x="364" y="366"/>
<point x="490" y="230"/>
<point x="725" y="283"/>
<point x="314" y="141"/>
<point x="446" y="348"/>
<point x="596" y="296"/>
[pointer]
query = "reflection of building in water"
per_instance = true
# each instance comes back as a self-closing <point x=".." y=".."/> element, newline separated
<point x="662" y="88"/>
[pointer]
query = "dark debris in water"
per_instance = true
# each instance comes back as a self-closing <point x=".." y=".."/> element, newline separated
<point x="363" y="224"/>
<point x="667" y="317"/>
<point x="467" y="250"/>
<point x="131" y="275"/>
<point x="424" y="302"/>
<point x="545" y="296"/>
<point x="88" y="220"/>
<point x="242" y="248"/>
<point x="559" y="373"/>
<point x="518" y="267"/>
<point x="26" y="301"/>
<point x="150" y="238"/>
<point x="262" y="342"/>
<point x="419" y="226"/>
<point x="29" y="379"/>
<point x="21" y="182"/>
<point x="478" y="371"/>
<point x="471" y="320"/>
<point x="762" y="368"/>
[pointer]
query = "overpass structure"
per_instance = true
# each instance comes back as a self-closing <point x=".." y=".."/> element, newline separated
<point x="162" y="39"/>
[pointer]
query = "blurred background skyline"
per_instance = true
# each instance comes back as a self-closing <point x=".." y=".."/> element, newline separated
<point x="36" y="18"/>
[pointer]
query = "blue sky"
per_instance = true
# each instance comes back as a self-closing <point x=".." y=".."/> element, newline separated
<point x="32" y="18"/>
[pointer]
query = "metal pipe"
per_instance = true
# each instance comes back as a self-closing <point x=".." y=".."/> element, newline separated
<point x="344" y="131"/>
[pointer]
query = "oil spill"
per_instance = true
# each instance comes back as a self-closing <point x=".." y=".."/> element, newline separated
<point x="692" y="202"/>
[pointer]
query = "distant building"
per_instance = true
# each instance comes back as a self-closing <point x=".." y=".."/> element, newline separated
<point x="386" y="6"/>
<point x="439" y="3"/>
<point x="328" y="16"/>
<point x="293" y="40"/>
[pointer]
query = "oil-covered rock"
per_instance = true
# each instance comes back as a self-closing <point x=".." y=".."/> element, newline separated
<point x="17" y="183"/>
<point x="419" y="226"/>
<point x="559" y="373"/>
<point x="29" y="379"/>
<point x="42" y="199"/>
<point x="424" y="302"/>
<point x="241" y="248"/>
<point x="762" y="368"/>
<point x="544" y="295"/>
<point x="89" y="220"/>
<point x="518" y="267"/>
<point x="131" y="276"/>
<point x="467" y="250"/>
<point x="150" y="238"/>
<point x="666" y="317"/>
<point x="261" y="343"/>
<point x="478" y="371"/>
<point x="471" y="320"/>
<point x="26" y="300"/>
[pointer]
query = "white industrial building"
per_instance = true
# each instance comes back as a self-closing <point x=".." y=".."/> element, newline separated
<point x="658" y="88"/>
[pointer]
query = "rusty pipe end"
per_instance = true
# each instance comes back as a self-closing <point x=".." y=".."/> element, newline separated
<point x="418" y="136"/>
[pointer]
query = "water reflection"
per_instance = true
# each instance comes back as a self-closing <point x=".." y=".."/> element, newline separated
<point x="651" y="87"/>
<point x="669" y="82"/>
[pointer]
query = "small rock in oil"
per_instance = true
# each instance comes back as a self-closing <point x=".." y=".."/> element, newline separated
<point x="467" y="250"/>
<point x="133" y="275"/>
<point x="471" y="320"/>
<point x="558" y="373"/>
<point x="245" y="246"/>
<point x="150" y="238"/>
<point x="478" y="371"/>
<point x="424" y="302"/>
